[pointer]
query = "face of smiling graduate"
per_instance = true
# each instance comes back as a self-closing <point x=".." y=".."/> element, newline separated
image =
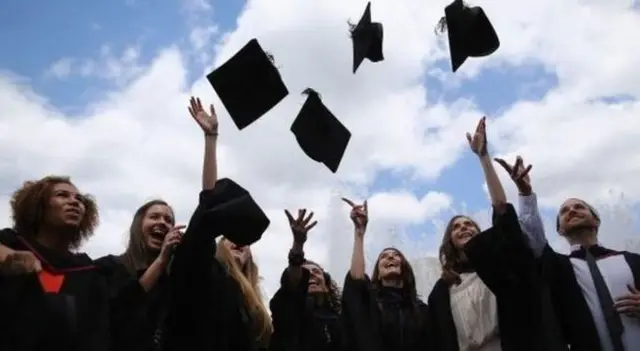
<point x="156" y="223"/>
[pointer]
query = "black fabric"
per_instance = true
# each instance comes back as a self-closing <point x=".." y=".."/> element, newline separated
<point x="136" y="315"/>
<point x="367" y="37"/>
<point x="504" y="262"/>
<point x="74" y="319"/>
<point x="598" y="252"/>
<point x="207" y="308"/>
<point x="300" y="325"/>
<point x="574" y="316"/>
<point x="320" y="135"/>
<point x="248" y="84"/>
<point x="232" y="212"/>
<point x="470" y="33"/>
<point x="383" y="319"/>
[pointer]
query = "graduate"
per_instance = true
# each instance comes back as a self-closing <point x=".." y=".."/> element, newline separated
<point x="137" y="279"/>
<point x="51" y="296"/>
<point x="383" y="313"/>
<point x="595" y="290"/>
<point x="306" y="309"/>
<point x="214" y="292"/>
<point x="490" y="296"/>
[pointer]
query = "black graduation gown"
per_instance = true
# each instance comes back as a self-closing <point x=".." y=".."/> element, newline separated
<point x="504" y="262"/>
<point x="298" y="325"/>
<point x="75" y="318"/>
<point x="383" y="319"/>
<point x="207" y="310"/>
<point x="575" y="319"/>
<point x="137" y="316"/>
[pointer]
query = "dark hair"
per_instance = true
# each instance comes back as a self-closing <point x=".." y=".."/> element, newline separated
<point x="334" y="294"/>
<point x="137" y="257"/>
<point x="449" y="255"/>
<point x="29" y="204"/>
<point x="406" y="275"/>
<point x="593" y="211"/>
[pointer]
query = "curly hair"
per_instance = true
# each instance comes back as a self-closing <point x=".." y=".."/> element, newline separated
<point x="449" y="255"/>
<point x="29" y="204"/>
<point x="334" y="294"/>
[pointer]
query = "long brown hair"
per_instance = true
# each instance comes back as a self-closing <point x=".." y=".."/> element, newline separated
<point x="29" y="203"/>
<point x="137" y="256"/>
<point x="248" y="279"/>
<point x="449" y="255"/>
<point x="406" y="275"/>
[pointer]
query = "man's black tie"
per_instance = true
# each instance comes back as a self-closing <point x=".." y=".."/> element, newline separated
<point x="611" y="316"/>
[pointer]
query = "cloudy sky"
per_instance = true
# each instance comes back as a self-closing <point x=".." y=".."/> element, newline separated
<point x="99" y="90"/>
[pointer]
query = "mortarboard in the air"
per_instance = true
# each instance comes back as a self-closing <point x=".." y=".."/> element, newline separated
<point x="470" y="33"/>
<point x="319" y="133"/>
<point x="367" y="40"/>
<point x="232" y="212"/>
<point x="248" y="84"/>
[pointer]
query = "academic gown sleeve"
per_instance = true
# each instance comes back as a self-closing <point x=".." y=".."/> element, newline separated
<point x="361" y="315"/>
<point x="206" y="308"/>
<point x="440" y="322"/>
<point x="288" y="312"/>
<point x="500" y="254"/>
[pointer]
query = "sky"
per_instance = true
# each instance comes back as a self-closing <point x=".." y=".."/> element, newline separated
<point x="99" y="92"/>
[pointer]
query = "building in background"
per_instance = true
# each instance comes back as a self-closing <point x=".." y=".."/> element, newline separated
<point x="427" y="272"/>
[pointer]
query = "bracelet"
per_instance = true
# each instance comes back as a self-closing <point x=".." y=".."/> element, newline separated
<point x="296" y="259"/>
<point x="211" y="134"/>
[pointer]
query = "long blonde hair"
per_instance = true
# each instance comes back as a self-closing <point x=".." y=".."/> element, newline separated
<point x="249" y="281"/>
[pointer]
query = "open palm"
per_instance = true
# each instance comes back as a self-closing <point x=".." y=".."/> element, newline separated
<point x="208" y="122"/>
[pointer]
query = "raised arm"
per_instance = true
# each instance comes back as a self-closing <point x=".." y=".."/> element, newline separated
<point x="529" y="215"/>
<point x="209" y="125"/>
<point x="300" y="226"/>
<point x="478" y="144"/>
<point x="360" y="217"/>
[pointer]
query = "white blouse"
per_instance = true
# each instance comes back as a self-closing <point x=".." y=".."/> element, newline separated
<point x="475" y="315"/>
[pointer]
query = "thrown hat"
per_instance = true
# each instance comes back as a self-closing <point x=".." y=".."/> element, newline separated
<point x="319" y="133"/>
<point x="367" y="40"/>
<point x="248" y="84"/>
<point x="232" y="212"/>
<point x="470" y="33"/>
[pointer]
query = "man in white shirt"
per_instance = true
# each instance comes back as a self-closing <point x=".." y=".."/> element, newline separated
<point x="594" y="289"/>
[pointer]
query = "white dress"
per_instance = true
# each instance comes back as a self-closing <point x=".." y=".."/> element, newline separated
<point x="475" y="315"/>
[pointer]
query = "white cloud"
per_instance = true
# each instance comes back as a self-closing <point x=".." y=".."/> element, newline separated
<point x="139" y="142"/>
<point x="116" y="68"/>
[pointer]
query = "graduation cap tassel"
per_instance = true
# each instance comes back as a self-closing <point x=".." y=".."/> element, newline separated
<point x="441" y="27"/>
<point x="352" y="27"/>
<point x="270" y="57"/>
<point x="310" y="92"/>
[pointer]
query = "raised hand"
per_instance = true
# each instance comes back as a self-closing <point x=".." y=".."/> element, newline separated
<point x="359" y="215"/>
<point x="478" y="142"/>
<point x="208" y="122"/>
<point x="171" y="241"/>
<point x="20" y="262"/>
<point x="300" y="226"/>
<point x="519" y="174"/>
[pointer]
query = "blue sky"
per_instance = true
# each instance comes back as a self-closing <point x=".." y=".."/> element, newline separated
<point x="44" y="32"/>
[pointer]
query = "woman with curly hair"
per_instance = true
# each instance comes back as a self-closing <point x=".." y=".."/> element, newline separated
<point x="489" y="296"/>
<point x="383" y="313"/>
<point x="306" y="308"/>
<point x="51" y="295"/>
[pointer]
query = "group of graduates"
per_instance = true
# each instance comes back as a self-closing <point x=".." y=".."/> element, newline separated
<point x="502" y="288"/>
<point x="196" y="287"/>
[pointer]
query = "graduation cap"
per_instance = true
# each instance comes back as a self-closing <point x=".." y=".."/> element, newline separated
<point x="367" y="40"/>
<point x="319" y="133"/>
<point x="248" y="84"/>
<point x="470" y="33"/>
<point x="232" y="212"/>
